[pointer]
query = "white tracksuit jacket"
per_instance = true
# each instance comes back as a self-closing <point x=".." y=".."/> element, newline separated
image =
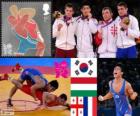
<point x="126" y="38"/>
<point x="65" y="37"/>
<point x="108" y="47"/>
<point x="84" y="30"/>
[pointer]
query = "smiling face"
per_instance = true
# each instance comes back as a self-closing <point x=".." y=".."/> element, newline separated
<point x="117" y="72"/>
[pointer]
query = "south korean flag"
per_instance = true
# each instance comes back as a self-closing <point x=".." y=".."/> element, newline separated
<point x="84" y="67"/>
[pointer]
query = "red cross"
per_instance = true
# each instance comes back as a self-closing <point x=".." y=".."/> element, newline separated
<point x="77" y="106"/>
<point x="114" y="30"/>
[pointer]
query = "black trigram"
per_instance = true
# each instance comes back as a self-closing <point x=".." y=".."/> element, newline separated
<point x="90" y="72"/>
<point x="77" y="72"/>
<point x="90" y="62"/>
<point x="77" y="62"/>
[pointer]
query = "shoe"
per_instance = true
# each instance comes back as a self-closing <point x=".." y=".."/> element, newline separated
<point x="4" y="77"/>
<point x="9" y="103"/>
<point x="17" y="67"/>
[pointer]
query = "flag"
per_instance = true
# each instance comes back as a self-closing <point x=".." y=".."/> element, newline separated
<point x="83" y="67"/>
<point x="83" y="86"/>
<point x="83" y="77"/>
<point x="83" y="106"/>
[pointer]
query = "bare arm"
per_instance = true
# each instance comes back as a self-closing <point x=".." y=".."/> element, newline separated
<point x="39" y="84"/>
<point x="47" y="98"/>
<point x="107" y="96"/>
<point x="130" y="91"/>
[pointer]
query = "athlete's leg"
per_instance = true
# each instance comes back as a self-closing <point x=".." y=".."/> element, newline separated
<point x="71" y="53"/>
<point x="18" y="67"/>
<point x="121" y="53"/>
<point x="118" y="114"/>
<point x="107" y="55"/>
<point x="18" y="84"/>
<point x="127" y="115"/>
<point x="129" y="111"/>
<point x="132" y="52"/>
<point x="25" y="44"/>
<point x="59" y="53"/>
<point x="27" y="89"/>
<point x="22" y="46"/>
<point x="4" y="77"/>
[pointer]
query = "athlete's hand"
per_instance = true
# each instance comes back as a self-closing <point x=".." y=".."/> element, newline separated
<point x="67" y="105"/>
<point x="134" y="95"/>
<point x="42" y="107"/>
<point x="59" y="27"/>
<point x="89" y="15"/>
<point x="123" y="25"/>
<point x="101" y="98"/>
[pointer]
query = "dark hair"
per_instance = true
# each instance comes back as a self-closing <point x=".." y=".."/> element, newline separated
<point x="86" y="3"/>
<point x="122" y="4"/>
<point x="107" y="8"/>
<point x="63" y="96"/>
<point x="119" y="65"/>
<point x="70" y="5"/>
<point x="54" y="84"/>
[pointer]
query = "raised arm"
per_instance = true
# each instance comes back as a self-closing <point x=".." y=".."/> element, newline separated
<point x="56" y="28"/>
<point x="92" y="24"/>
<point x="130" y="91"/>
<point x="107" y="96"/>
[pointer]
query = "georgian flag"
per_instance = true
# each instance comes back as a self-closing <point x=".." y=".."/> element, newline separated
<point x="84" y="87"/>
<point x="83" y="106"/>
<point x="83" y="67"/>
